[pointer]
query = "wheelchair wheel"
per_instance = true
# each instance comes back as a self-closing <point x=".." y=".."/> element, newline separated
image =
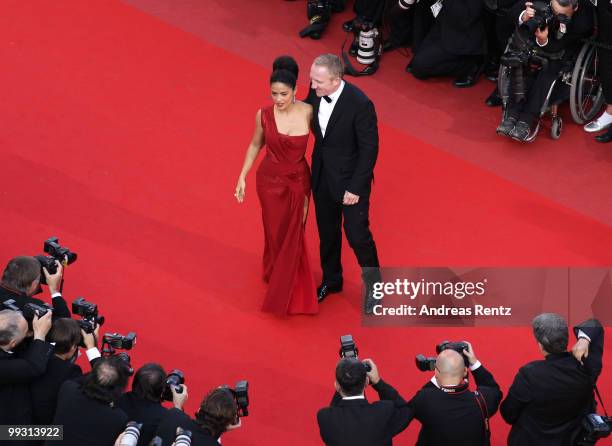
<point x="586" y="95"/>
<point x="556" y="127"/>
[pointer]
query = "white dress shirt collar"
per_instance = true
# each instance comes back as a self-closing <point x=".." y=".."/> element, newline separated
<point x="336" y="94"/>
<point x="357" y="397"/>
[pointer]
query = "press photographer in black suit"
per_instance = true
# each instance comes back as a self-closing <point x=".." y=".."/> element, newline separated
<point x="21" y="280"/>
<point x="351" y="420"/>
<point x="87" y="409"/>
<point x="143" y="403"/>
<point x="18" y="370"/>
<point x="218" y="414"/>
<point x="448" y="411"/>
<point x="549" y="397"/>
<point x="67" y="336"/>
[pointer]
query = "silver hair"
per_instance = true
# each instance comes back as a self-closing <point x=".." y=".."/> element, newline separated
<point x="9" y="326"/>
<point x="550" y="330"/>
<point x="332" y="63"/>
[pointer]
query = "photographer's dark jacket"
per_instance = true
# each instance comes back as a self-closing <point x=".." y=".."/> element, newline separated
<point x="60" y="307"/>
<point x="86" y="421"/>
<point x="455" y="417"/>
<point x="356" y="422"/>
<point x="581" y="27"/>
<point x="177" y="418"/>
<point x="144" y="411"/>
<point x="17" y="371"/>
<point x="347" y="154"/>
<point x="548" y="398"/>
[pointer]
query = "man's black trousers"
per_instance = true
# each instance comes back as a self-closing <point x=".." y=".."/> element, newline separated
<point x="330" y="213"/>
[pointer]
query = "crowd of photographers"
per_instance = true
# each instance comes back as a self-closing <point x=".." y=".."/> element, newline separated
<point x="550" y="402"/>
<point x="41" y="384"/>
<point x="534" y="39"/>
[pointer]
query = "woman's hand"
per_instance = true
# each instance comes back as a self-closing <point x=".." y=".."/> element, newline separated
<point x="240" y="190"/>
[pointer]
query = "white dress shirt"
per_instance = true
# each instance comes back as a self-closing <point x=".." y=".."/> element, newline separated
<point x="326" y="108"/>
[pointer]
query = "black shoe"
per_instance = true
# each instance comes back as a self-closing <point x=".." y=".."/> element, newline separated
<point x="369" y="301"/>
<point x="348" y="25"/>
<point x="494" y="99"/>
<point x="470" y="78"/>
<point x="506" y="126"/>
<point x="520" y="132"/>
<point x="604" y="137"/>
<point x="491" y="70"/>
<point x="409" y="67"/>
<point x="325" y="290"/>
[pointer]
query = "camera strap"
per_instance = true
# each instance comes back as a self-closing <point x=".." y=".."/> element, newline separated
<point x="482" y="405"/>
<point x="600" y="400"/>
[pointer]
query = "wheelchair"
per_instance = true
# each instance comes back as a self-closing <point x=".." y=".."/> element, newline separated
<point x="578" y="81"/>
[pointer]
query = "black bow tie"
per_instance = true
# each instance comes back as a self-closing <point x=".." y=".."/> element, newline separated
<point x="327" y="99"/>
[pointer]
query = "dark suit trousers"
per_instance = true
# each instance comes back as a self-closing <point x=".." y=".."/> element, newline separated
<point x="330" y="213"/>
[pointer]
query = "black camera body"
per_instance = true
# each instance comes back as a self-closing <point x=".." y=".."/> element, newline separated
<point x="348" y="349"/>
<point x="176" y="379"/>
<point x="594" y="427"/>
<point x="544" y="16"/>
<point x="428" y="364"/>
<point x="88" y="311"/>
<point x="29" y="310"/>
<point x="241" y="395"/>
<point x="55" y="252"/>
<point x="118" y="341"/>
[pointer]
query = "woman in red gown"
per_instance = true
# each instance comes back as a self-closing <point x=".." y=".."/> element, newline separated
<point x="283" y="187"/>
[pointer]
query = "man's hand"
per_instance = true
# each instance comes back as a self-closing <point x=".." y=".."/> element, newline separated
<point x="373" y="375"/>
<point x="469" y="353"/>
<point x="179" y="399"/>
<point x="231" y="427"/>
<point x="54" y="281"/>
<point x="90" y="339"/>
<point x="542" y="35"/>
<point x="41" y="326"/>
<point x="580" y="350"/>
<point x="528" y="13"/>
<point x="350" y="199"/>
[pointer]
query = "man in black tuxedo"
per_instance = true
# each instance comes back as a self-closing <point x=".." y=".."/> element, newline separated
<point x="448" y="411"/>
<point x="18" y="370"/>
<point x="549" y="397"/>
<point x="343" y="159"/>
<point x="21" y="280"/>
<point x="351" y="420"/>
<point x="67" y="336"/>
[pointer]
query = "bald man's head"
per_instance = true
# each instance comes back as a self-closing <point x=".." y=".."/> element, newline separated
<point x="450" y="368"/>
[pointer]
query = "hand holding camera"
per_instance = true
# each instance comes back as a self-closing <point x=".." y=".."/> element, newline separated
<point x="54" y="280"/>
<point x="42" y="325"/>
<point x="372" y="374"/>
<point x="469" y="353"/>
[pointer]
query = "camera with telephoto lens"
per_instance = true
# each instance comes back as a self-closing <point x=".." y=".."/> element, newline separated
<point x="319" y="14"/>
<point x="55" y="252"/>
<point x="428" y="364"/>
<point x="29" y="310"/>
<point x="89" y="314"/>
<point x="183" y="437"/>
<point x="593" y="428"/>
<point x="111" y="342"/>
<point x="348" y="349"/>
<point x="175" y="379"/>
<point x="131" y="434"/>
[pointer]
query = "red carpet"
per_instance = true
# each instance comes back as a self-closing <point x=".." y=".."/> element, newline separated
<point x="124" y="136"/>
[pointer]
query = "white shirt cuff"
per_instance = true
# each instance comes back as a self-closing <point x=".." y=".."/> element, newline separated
<point x="93" y="353"/>
<point x="520" y="20"/>
<point x="583" y="335"/>
<point x="475" y="366"/>
<point x="543" y="44"/>
<point x="56" y="295"/>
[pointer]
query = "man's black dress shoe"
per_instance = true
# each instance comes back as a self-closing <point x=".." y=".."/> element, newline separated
<point x="605" y="137"/>
<point x="325" y="290"/>
<point x="349" y="25"/>
<point x="494" y="99"/>
<point x="470" y="78"/>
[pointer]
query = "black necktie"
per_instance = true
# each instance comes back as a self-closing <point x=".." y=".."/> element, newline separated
<point x="327" y="99"/>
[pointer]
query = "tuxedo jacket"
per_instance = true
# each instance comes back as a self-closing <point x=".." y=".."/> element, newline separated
<point x="455" y="418"/>
<point x="548" y="398"/>
<point x="346" y="155"/>
<point x="361" y="423"/>
<point x="17" y="371"/>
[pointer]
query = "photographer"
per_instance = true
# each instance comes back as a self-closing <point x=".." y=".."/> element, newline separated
<point x="17" y="371"/>
<point x="67" y="336"/>
<point x="351" y="420"/>
<point x="218" y="413"/>
<point x="448" y="411"/>
<point x="88" y="411"/>
<point x="548" y="398"/>
<point x="143" y="403"/>
<point x="21" y="280"/>
<point x="554" y="32"/>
